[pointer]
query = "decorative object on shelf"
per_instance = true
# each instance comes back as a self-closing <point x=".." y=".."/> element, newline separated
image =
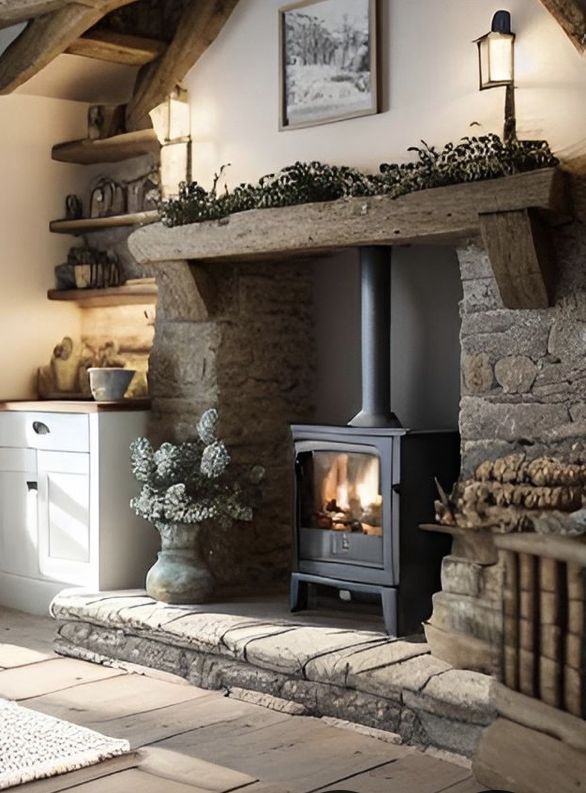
<point x="109" y="384"/>
<point x="105" y="121"/>
<point x="108" y="198"/>
<point x="328" y="54"/>
<point x="496" y="61"/>
<point x="143" y="193"/>
<point x="172" y="124"/>
<point x="66" y="376"/>
<point x="88" y="268"/>
<point x="185" y="487"/>
<point x="513" y="493"/>
<point x="471" y="160"/>
<point x="60" y="376"/>
<point x="64" y="276"/>
<point x="73" y="207"/>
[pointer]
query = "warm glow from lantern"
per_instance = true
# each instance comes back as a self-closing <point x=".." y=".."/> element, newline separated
<point x="172" y="118"/>
<point x="496" y="60"/>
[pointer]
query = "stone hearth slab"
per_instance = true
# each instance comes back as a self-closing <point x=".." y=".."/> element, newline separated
<point x="356" y="675"/>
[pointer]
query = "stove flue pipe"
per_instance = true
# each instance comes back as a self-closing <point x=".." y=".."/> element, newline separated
<point x="375" y="280"/>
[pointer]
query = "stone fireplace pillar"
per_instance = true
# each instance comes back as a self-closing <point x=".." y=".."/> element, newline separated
<point x="238" y="337"/>
<point x="523" y="391"/>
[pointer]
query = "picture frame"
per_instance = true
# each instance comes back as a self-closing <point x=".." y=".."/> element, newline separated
<point x="328" y="62"/>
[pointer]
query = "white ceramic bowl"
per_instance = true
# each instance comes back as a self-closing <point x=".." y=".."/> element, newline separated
<point x="109" y="383"/>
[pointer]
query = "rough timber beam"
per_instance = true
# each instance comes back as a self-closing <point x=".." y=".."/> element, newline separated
<point x="571" y="15"/>
<point x="109" y="45"/>
<point x="48" y="36"/>
<point x="13" y="11"/>
<point x="199" y="25"/>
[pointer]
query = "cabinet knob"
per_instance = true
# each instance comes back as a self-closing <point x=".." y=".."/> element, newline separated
<point x="40" y="428"/>
<point x="32" y="487"/>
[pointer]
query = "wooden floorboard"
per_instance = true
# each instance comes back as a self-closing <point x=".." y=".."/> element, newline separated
<point x="298" y="753"/>
<point x="193" y="741"/>
<point x="135" y="781"/>
<point x="12" y="656"/>
<point x="47" y="677"/>
<point x="26" y="630"/>
<point x="56" y="784"/>
<point x="100" y="704"/>
<point x="412" y="773"/>
<point x="182" y="768"/>
<point x="469" y="785"/>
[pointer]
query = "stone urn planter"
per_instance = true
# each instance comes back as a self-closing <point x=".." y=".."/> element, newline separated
<point x="180" y="575"/>
<point x="184" y="487"/>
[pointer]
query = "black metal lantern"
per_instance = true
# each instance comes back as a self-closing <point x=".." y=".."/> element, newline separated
<point x="496" y="63"/>
<point x="496" y="53"/>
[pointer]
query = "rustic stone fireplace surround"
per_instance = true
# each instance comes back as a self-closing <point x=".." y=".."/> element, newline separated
<point x="234" y="330"/>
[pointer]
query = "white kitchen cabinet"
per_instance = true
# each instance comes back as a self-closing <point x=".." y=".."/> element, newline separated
<point x="65" y="484"/>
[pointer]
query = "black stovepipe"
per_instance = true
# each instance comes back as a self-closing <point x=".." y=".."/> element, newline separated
<point x="375" y="280"/>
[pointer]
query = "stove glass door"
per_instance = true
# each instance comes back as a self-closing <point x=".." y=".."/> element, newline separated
<point x="340" y="507"/>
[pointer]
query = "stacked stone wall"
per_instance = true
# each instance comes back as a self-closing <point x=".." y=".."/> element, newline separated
<point x="524" y="371"/>
<point x="246" y="347"/>
<point x="523" y="390"/>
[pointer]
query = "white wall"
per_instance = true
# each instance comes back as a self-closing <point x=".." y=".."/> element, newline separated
<point x="33" y="193"/>
<point x="425" y="322"/>
<point x="430" y="88"/>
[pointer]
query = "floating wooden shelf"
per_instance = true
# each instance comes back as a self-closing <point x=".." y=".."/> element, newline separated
<point x="84" y="225"/>
<point x="126" y="295"/>
<point x="115" y="149"/>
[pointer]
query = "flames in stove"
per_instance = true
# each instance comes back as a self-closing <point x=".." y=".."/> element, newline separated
<point x="347" y="492"/>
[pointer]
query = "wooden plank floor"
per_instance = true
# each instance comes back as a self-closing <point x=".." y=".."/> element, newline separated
<point x="186" y="740"/>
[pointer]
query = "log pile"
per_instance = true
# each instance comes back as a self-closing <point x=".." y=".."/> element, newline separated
<point x="513" y="493"/>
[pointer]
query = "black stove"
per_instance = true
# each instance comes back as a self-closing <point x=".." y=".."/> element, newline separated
<point x="362" y="490"/>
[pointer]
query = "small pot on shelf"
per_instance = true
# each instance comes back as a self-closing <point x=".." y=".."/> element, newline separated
<point x="109" y="383"/>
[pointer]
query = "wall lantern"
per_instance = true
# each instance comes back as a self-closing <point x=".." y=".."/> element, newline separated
<point x="496" y="61"/>
<point x="172" y="124"/>
<point x="172" y="118"/>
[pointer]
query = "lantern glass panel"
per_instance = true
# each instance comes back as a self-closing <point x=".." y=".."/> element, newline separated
<point x="496" y="59"/>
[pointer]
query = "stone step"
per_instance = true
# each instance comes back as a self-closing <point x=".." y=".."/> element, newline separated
<point x="363" y="677"/>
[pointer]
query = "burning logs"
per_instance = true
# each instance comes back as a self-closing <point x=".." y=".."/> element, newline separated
<point x="513" y="493"/>
<point x="354" y="518"/>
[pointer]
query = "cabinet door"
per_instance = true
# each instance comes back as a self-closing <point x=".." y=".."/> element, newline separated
<point x="18" y="512"/>
<point x="64" y="517"/>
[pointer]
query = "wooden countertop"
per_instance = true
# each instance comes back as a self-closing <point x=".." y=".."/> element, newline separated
<point x="74" y="405"/>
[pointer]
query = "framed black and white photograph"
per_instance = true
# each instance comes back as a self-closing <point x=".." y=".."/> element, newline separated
<point x="328" y="61"/>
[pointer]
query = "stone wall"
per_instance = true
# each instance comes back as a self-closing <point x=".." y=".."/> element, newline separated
<point x="524" y="371"/>
<point x="238" y="337"/>
<point x="523" y="390"/>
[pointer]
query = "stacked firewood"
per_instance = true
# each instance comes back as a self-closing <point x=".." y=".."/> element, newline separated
<point x="514" y="493"/>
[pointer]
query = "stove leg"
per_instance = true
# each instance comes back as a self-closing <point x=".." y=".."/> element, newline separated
<point x="389" y="603"/>
<point x="298" y="593"/>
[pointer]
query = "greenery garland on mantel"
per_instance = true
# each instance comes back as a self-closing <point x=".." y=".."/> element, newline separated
<point x="473" y="159"/>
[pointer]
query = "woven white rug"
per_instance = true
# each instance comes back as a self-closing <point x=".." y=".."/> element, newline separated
<point x="35" y="746"/>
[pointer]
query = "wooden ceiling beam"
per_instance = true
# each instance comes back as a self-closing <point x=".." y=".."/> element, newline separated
<point x="13" y="11"/>
<point x="109" y="45"/>
<point x="571" y="15"/>
<point x="47" y="36"/>
<point x="198" y="27"/>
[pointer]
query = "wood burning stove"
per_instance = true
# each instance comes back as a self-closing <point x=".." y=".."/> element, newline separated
<point x="361" y="491"/>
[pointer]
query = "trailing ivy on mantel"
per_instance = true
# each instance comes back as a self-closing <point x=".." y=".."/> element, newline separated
<point x="473" y="159"/>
